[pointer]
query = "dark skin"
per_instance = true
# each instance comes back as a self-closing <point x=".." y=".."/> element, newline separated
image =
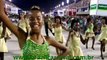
<point x="102" y="46"/>
<point x="35" y="21"/>
<point x="2" y="36"/>
<point x="4" y="30"/>
<point x="56" y="25"/>
<point x="89" y="37"/>
<point x="73" y="31"/>
<point x="22" y="18"/>
<point x="71" y="34"/>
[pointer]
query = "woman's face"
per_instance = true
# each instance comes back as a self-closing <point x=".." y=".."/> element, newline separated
<point x="77" y="27"/>
<point x="57" y="20"/>
<point x="36" y="21"/>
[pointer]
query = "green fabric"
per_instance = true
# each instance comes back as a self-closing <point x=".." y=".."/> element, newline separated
<point x="32" y="49"/>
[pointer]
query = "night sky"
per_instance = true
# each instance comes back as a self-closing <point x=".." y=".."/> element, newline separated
<point x="45" y="5"/>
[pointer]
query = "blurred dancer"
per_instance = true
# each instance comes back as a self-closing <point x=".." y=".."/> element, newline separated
<point x="47" y="25"/>
<point x="58" y="29"/>
<point x="103" y="37"/>
<point x="90" y="33"/>
<point x="74" y="39"/>
<point x="2" y="40"/>
<point x="23" y="23"/>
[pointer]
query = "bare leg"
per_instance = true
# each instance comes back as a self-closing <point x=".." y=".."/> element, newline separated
<point x="1" y="55"/>
<point x="87" y="43"/>
<point x="93" y="42"/>
<point x="103" y="45"/>
<point x="57" y="51"/>
<point x="101" y="48"/>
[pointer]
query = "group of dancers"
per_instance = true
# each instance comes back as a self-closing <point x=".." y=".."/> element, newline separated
<point x="75" y="36"/>
<point x="37" y="45"/>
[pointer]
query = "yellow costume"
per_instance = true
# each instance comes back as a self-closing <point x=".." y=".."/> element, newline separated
<point x="74" y="44"/>
<point x="103" y="34"/>
<point x="89" y="32"/>
<point x="58" y="34"/>
<point x="1" y="29"/>
<point x="23" y="24"/>
<point x="8" y="33"/>
<point x="3" y="47"/>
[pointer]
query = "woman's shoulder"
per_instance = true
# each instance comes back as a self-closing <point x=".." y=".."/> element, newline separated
<point x="72" y="33"/>
<point x="49" y="39"/>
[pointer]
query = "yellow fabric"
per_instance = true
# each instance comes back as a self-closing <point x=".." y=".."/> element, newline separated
<point x="1" y="29"/>
<point x="90" y="31"/>
<point x="74" y="45"/>
<point x="103" y="34"/>
<point x="58" y="34"/>
<point x="8" y="32"/>
<point x="3" y="47"/>
<point x="23" y="24"/>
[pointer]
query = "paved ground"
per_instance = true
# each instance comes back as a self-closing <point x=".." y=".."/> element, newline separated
<point x="13" y="48"/>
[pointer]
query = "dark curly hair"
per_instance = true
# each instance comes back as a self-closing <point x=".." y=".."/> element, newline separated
<point x="57" y="17"/>
<point x="105" y="18"/>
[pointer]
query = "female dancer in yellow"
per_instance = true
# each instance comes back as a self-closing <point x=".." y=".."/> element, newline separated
<point x="74" y="40"/>
<point x="90" y="33"/>
<point x="23" y="23"/>
<point x="38" y="45"/>
<point x="103" y="37"/>
<point x="3" y="47"/>
<point x="58" y="32"/>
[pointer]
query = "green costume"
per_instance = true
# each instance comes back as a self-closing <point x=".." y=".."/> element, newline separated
<point x="33" y="50"/>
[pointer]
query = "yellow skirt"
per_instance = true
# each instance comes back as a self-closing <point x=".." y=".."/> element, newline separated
<point x="3" y="46"/>
<point x="102" y="36"/>
<point x="89" y="35"/>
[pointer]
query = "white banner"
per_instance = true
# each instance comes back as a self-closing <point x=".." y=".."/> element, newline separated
<point x="14" y="10"/>
<point x="98" y="7"/>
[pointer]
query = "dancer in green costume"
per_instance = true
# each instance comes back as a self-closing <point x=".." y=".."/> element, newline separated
<point x="36" y="38"/>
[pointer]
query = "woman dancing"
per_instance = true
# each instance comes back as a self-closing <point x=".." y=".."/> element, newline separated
<point x="38" y="45"/>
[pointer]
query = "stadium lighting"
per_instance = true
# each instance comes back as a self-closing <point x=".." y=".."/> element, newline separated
<point x="59" y="5"/>
<point x="10" y="0"/>
<point x="67" y="1"/>
<point x="62" y="3"/>
<point x="75" y="1"/>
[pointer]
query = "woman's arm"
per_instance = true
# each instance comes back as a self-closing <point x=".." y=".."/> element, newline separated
<point x="21" y="35"/>
<point x="68" y="39"/>
<point x="52" y="42"/>
<point x="65" y="28"/>
<point x="4" y="18"/>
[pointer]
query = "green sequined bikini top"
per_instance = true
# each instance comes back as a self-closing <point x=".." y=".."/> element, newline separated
<point x="34" y="50"/>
